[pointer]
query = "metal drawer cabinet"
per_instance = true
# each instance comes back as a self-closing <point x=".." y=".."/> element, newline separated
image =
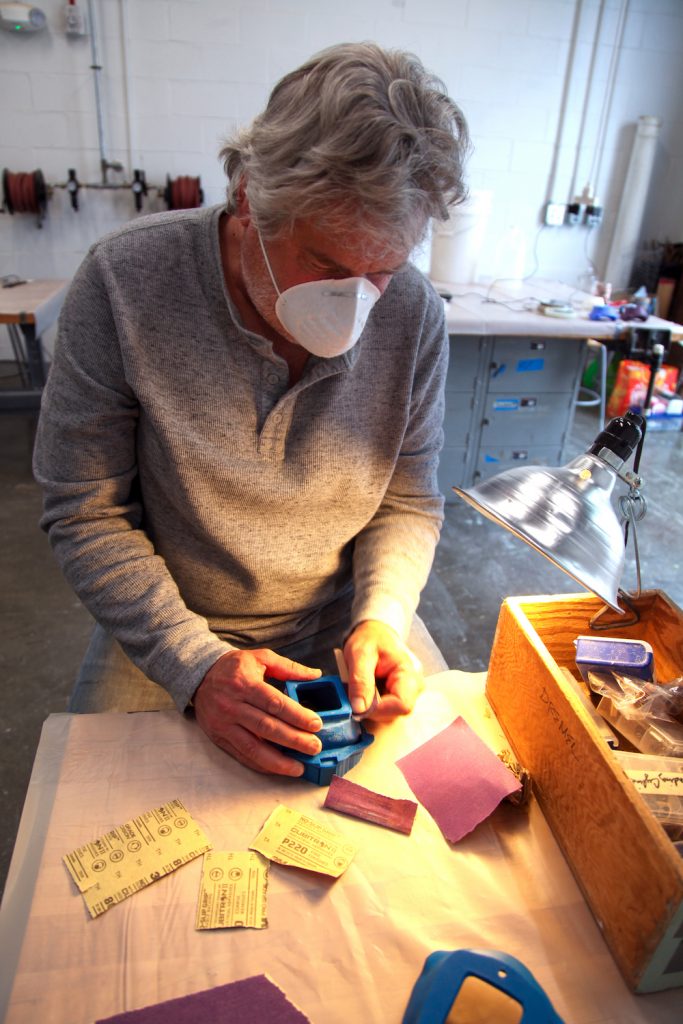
<point x="497" y="458"/>
<point x="528" y="419"/>
<point x="509" y="400"/>
<point x="534" y="365"/>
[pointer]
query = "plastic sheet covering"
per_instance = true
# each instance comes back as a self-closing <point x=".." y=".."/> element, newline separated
<point x="345" y="949"/>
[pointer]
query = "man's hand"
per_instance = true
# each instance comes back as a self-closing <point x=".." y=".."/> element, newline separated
<point x="374" y="653"/>
<point x="245" y="715"/>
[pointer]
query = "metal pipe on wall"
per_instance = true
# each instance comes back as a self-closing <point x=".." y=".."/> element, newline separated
<point x="593" y="179"/>
<point x="570" y="86"/>
<point x="128" y="96"/>
<point x="587" y="98"/>
<point x="105" y="164"/>
<point x="626" y="234"/>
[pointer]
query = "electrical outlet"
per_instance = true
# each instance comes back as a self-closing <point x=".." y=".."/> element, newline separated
<point x="593" y="216"/>
<point x="74" y="20"/>
<point x="574" y="214"/>
<point x="554" y="214"/>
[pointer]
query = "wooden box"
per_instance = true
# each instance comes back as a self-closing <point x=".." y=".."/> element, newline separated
<point x="627" y="867"/>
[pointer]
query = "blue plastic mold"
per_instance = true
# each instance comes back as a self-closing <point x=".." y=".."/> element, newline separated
<point x="343" y="738"/>
<point x="443" y="975"/>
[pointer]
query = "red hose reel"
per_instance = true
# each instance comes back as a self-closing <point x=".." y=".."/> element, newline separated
<point x="25" y="192"/>
<point x="183" y="193"/>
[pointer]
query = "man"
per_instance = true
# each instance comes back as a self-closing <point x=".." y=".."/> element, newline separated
<point x="239" y="438"/>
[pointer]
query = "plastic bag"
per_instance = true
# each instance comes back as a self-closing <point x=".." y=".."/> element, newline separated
<point x="649" y="715"/>
<point x="636" y="698"/>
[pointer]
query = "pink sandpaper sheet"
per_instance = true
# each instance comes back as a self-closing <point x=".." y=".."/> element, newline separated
<point x="350" y="798"/>
<point x="457" y="778"/>
<point x="239" y="1002"/>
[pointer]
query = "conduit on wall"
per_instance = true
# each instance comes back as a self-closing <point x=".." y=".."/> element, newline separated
<point x="587" y="86"/>
<point x="599" y="150"/>
<point x="580" y="136"/>
<point x="106" y="164"/>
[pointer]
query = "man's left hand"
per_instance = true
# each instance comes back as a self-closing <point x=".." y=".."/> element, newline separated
<point x="374" y="653"/>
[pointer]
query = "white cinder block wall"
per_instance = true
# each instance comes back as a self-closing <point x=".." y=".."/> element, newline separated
<point x="552" y="90"/>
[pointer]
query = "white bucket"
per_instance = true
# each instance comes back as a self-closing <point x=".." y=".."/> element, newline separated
<point x="457" y="242"/>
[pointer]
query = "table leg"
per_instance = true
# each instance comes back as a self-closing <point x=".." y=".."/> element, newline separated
<point x="34" y="356"/>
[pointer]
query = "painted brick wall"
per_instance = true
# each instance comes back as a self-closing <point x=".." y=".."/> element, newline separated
<point x="191" y="71"/>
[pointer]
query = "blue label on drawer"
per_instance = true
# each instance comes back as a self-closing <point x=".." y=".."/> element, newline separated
<point x="490" y="458"/>
<point x="506" y="404"/>
<point x="530" y="365"/>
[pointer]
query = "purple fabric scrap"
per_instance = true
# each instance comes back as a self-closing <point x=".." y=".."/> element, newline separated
<point x="239" y="1002"/>
<point x="350" y="798"/>
<point x="457" y="778"/>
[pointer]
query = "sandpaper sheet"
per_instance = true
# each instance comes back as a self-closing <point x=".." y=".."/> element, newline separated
<point x="232" y="890"/>
<point x="350" y="798"/>
<point x="118" y="864"/>
<point x="457" y="778"/>
<point x="240" y="1002"/>
<point x="296" y="840"/>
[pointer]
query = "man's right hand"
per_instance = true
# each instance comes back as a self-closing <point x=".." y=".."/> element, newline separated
<point x="245" y="715"/>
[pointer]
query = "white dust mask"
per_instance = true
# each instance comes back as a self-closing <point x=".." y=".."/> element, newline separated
<point x="325" y="317"/>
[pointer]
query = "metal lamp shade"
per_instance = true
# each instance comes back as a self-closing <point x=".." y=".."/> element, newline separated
<point x="566" y="514"/>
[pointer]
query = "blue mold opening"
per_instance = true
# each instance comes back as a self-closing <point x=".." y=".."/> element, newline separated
<point x="343" y="738"/>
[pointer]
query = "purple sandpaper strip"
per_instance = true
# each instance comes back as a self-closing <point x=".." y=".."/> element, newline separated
<point x="240" y="1002"/>
<point x="350" y="798"/>
<point x="457" y="778"/>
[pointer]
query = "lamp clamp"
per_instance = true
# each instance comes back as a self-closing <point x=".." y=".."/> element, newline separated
<point x="632" y="506"/>
<point x="634" y="481"/>
<point x="616" y="462"/>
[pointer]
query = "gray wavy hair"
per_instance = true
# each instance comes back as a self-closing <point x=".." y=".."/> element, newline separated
<point x="357" y="137"/>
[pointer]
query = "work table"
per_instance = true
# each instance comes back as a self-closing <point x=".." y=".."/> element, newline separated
<point x="342" y="950"/>
<point x="497" y="309"/>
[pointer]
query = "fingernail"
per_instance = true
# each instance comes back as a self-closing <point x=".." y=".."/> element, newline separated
<point x="315" y="724"/>
<point x="358" y="705"/>
<point x="315" y="747"/>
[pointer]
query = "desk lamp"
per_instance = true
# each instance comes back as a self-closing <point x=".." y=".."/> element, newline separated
<point x="566" y="513"/>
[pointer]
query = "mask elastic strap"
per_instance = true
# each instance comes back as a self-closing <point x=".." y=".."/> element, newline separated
<point x="265" y="256"/>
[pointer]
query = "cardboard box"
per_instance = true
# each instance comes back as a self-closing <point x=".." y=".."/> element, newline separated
<point x="627" y="867"/>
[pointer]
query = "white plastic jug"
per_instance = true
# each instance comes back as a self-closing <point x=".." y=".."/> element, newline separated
<point x="457" y="242"/>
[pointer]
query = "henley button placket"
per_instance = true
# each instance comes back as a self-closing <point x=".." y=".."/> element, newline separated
<point x="280" y="403"/>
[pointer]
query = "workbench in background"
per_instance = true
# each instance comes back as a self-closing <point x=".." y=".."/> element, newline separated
<point x="514" y="376"/>
<point x="29" y="309"/>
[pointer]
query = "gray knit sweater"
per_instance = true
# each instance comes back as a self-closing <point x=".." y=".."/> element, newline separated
<point x="192" y="498"/>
